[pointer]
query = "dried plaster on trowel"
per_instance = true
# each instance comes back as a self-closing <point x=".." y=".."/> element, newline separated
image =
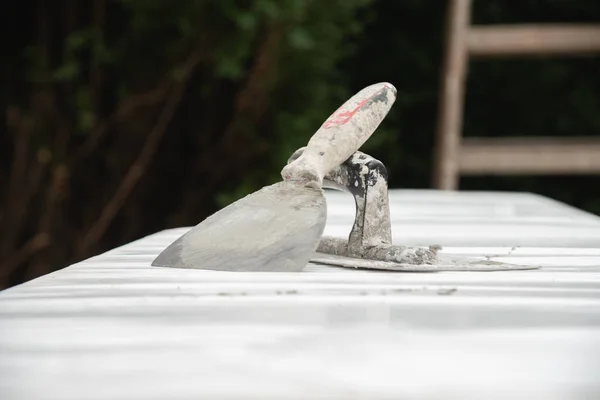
<point x="371" y="237"/>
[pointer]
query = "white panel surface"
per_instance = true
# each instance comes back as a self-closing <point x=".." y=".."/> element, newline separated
<point x="113" y="327"/>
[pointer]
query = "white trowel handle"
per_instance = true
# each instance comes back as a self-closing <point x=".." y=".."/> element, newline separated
<point x="343" y="133"/>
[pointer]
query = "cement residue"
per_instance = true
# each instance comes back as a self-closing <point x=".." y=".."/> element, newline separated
<point x="381" y="252"/>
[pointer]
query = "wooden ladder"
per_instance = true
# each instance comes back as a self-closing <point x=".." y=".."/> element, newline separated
<point x="455" y="156"/>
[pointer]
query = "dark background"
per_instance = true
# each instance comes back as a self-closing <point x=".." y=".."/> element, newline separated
<point x="127" y="117"/>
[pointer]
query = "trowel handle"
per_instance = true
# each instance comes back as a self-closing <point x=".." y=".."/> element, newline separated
<point x="343" y="133"/>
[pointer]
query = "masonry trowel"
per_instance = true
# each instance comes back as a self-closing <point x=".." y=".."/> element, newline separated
<point x="278" y="227"/>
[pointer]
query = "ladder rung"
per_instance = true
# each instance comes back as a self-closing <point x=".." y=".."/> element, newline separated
<point x="497" y="40"/>
<point x="521" y="156"/>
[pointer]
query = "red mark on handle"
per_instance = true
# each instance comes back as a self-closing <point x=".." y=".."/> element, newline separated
<point x="340" y="117"/>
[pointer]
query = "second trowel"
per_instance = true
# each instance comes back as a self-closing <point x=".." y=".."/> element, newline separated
<point x="278" y="227"/>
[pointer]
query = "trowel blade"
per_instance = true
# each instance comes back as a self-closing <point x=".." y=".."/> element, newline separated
<point x="444" y="264"/>
<point x="274" y="229"/>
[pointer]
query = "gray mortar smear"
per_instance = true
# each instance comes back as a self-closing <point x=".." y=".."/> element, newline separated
<point x="382" y="252"/>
